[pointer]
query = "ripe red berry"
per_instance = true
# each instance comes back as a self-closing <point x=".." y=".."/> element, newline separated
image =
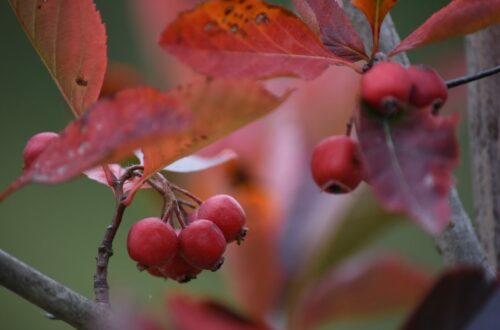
<point x="151" y="242"/>
<point x="335" y="164"/>
<point x="226" y="213"/>
<point x="36" y="145"/>
<point x="427" y="86"/>
<point x="179" y="270"/>
<point x="386" y="87"/>
<point x="202" y="244"/>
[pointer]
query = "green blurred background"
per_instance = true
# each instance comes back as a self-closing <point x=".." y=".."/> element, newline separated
<point x="56" y="229"/>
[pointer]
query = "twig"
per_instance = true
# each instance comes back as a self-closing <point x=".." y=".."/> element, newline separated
<point x="458" y="243"/>
<point x="473" y="77"/>
<point x="51" y="296"/>
<point x="105" y="250"/>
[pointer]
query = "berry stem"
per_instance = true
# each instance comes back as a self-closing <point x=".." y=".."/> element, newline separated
<point x="349" y="125"/>
<point x="186" y="193"/>
<point x="467" y="79"/>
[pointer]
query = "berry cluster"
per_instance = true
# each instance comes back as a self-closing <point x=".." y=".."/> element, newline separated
<point x="387" y="88"/>
<point x="198" y="245"/>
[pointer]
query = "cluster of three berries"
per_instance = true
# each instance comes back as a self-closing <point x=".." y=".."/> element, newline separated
<point x="182" y="255"/>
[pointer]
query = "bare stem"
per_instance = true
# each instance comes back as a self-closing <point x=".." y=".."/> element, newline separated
<point x="473" y="77"/>
<point x="105" y="250"/>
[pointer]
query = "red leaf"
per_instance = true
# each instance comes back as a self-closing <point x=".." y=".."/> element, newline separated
<point x="108" y="131"/>
<point x="361" y="287"/>
<point x="218" y="107"/>
<point x="247" y="39"/>
<point x="190" y="314"/>
<point x="408" y="160"/>
<point x="71" y="40"/>
<point x="458" y="18"/>
<point x="337" y="32"/>
<point x="375" y="11"/>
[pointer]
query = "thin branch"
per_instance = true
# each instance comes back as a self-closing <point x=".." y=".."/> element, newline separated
<point x="51" y="296"/>
<point x="473" y="77"/>
<point x="458" y="243"/>
<point x="105" y="250"/>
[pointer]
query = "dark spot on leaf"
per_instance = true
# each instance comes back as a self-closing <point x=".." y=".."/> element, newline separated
<point x="262" y="18"/>
<point x="246" y="20"/>
<point x="81" y="82"/>
<point x="228" y="10"/>
<point x="242" y="1"/>
<point x="233" y="28"/>
<point x="249" y="7"/>
<point x="204" y="137"/>
<point x="209" y="26"/>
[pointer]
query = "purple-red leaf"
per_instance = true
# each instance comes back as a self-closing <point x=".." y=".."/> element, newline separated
<point x="108" y="131"/>
<point x="408" y="160"/>
<point x="458" y="18"/>
<point x="337" y="32"/>
<point x="361" y="287"/>
<point x="193" y="314"/>
<point x="247" y="39"/>
<point x="454" y="301"/>
<point x="71" y="40"/>
<point x="375" y="11"/>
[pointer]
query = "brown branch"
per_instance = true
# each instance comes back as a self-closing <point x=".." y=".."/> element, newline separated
<point x="51" y="296"/>
<point x="458" y="244"/>
<point x="483" y="51"/>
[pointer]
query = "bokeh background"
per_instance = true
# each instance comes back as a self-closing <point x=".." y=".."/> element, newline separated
<point x="57" y="229"/>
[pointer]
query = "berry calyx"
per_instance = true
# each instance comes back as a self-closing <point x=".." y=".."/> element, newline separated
<point x="227" y="214"/>
<point x="36" y="145"/>
<point x="202" y="244"/>
<point x="335" y="164"/>
<point x="428" y="88"/>
<point x="151" y="242"/>
<point x="179" y="270"/>
<point x="386" y="87"/>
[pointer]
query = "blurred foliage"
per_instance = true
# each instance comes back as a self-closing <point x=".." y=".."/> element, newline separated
<point x="57" y="229"/>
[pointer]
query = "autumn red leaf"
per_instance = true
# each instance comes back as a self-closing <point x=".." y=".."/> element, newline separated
<point x="360" y="287"/>
<point x="247" y="39"/>
<point x="408" y="160"/>
<point x="71" y="40"/>
<point x="108" y="131"/>
<point x="375" y="11"/>
<point x="458" y="18"/>
<point x="337" y="32"/>
<point x="217" y="108"/>
<point x="192" y="314"/>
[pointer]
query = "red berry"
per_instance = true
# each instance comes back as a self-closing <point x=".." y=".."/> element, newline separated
<point x="202" y="244"/>
<point x="386" y="87"/>
<point x="155" y="271"/>
<point x="36" y="145"/>
<point x="151" y="242"/>
<point x="335" y="164"/>
<point x="226" y="213"/>
<point x="427" y="86"/>
<point x="179" y="270"/>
